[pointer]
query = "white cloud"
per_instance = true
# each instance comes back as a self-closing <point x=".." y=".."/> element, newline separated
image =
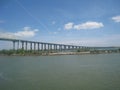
<point x="68" y="26"/>
<point x="26" y="32"/>
<point x="86" y="25"/>
<point x="116" y="18"/>
<point x="7" y="35"/>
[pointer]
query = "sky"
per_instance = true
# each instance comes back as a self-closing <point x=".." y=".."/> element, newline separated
<point x="76" y="22"/>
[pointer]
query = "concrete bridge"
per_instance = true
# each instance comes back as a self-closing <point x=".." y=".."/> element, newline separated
<point x="43" y="46"/>
<point x="34" y="45"/>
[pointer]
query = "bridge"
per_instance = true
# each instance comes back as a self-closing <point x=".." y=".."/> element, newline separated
<point x="34" y="45"/>
<point x="43" y="46"/>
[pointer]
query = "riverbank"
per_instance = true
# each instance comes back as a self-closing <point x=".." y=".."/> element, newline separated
<point x="58" y="53"/>
<point x="21" y="52"/>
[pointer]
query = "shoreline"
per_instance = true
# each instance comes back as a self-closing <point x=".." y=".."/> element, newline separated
<point x="58" y="54"/>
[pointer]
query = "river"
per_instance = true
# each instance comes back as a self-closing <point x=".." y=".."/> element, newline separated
<point x="67" y="72"/>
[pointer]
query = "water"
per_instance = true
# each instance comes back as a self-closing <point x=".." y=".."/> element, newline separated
<point x="75" y="72"/>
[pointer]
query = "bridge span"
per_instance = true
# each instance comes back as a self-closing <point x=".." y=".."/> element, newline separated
<point x="34" y="45"/>
<point x="44" y="46"/>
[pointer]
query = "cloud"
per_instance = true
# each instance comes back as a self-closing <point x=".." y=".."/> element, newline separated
<point x="26" y="32"/>
<point x="88" y="25"/>
<point x="7" y="35"/>
<point x="68" y="26"/>
<point x="116" y="19"/>
<point x="84" y="26"/>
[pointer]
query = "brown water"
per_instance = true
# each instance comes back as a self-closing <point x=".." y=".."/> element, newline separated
<point x="75" y="72"/>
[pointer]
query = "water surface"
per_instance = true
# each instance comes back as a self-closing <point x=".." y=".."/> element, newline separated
<point x="70" y="72"/>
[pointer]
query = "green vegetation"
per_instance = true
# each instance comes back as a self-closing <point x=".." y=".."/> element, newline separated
<point x="47" y="52"/>
<point x="25" y="52"/>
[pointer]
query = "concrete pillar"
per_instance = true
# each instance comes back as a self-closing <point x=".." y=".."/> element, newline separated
<point x="59" y="47"/>
<point x="72" y="47"/>
<point x="18" y="44"/>
<point x="22" y="45"/>
<point x="55" y="47"/>
<point x="13" y="45"/>
<point x="44" y="46"/>
<point x="38" y="46"/>
<point x="68" y="47"/>
<point x="48" y="47"/>
<point x="41" y="46"/>
<point x="64" y="47"/>
<point x="31" y="46"/>
<point x="34" y="46"/>
<point x="26" y="46"/>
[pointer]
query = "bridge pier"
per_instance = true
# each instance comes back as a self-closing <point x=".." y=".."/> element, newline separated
<point x="56" y="47"/>
<point x="60" y="47"/>
<point x="37" y="46"/>
<point x="22" y="45"/>
<point x="13" y="45"/>
<point x="26" y="46"/>
<point x="50" y="46"/>
<point x="18" y="44"/>
<point x="34" y="46"/>
<point x="44" y="46"/>
<point x="31" y="46"/>
<point x="41" y="46"/>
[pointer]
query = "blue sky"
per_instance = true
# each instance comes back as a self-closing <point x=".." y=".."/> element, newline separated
<point x="78" y="22"/>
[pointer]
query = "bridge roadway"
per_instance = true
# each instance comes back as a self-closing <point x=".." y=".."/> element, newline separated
<point x="34" y="45"/>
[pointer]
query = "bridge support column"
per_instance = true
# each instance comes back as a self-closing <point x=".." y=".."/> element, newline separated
<point x="38" y="46"/>
<point x="72" y="47"/>
<point x="26" y="46"/>
<point x="22" y="45"/>
<point x="59" y="47"/>
<point x="31" y="46"/>
<point x="48" y="47"/>
<point x="42" y="46"/>
<point x="13" y="45"/>
<point x="18" y="45"/>
<point x="56" y="47"/>
<point x="65" y="47"/>
<point x="34" y="46"/>
<point x="68" y="47"/>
